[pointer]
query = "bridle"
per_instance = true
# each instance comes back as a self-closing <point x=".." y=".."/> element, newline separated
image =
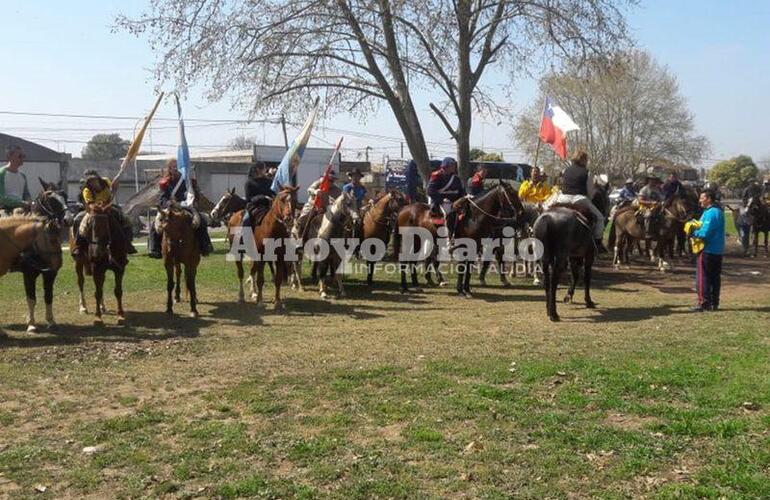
<point x="501" y="196"/>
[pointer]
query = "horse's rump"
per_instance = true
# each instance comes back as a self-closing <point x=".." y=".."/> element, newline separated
<point x="581" y="210"/>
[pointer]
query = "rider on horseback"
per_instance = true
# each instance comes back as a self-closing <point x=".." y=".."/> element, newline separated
<point x="314" y="191"/>
<point x="476" y="182"/>
<point x="535" y="189"/>
<point x="577" y="188"/>
<point x="672" y="186"/>
<point x="169" y="180"/>
<point x="14" y="192"/>
<point x="259" y="195"/>
<point x="444" y="189"/>
<point x="98" y="193"/>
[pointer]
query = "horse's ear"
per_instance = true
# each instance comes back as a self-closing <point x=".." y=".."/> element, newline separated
<point x="43" y="184"/>
<point x="232" y="191"/>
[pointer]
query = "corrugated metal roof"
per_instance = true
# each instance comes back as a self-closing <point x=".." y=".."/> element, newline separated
<point x="34" y="152"/>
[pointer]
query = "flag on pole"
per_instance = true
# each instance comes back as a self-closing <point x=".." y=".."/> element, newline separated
<point x="133" y="149"/>
<point x="554" y="127"/>
<point x="291" y="160"/>
<point x="326" y="182"/>
<point x="183" y="164"/>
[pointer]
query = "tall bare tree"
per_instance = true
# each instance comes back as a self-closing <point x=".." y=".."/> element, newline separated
<point x="276" y="54"/>
<point x="630" y="113"/>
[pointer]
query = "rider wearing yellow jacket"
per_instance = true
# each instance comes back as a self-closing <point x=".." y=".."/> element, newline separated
<point x="535" y="189"/>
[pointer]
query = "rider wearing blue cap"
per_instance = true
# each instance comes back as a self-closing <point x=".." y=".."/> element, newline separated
<point x="444" y="184"/>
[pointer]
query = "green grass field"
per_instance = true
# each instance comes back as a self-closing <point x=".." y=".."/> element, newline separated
<point x="392" y="396"/>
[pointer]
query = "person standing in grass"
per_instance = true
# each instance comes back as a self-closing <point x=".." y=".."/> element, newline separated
<point x="709" y="262"/>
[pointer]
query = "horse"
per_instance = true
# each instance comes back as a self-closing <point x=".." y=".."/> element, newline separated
<point x="626" y="230"/>
<point x="675" y="213"/>
<point x="275" y="225"/>
<point x="522" y="226"/>
<point x="329" y="226"/>
<point x="759" y="211"/>
<point x="567" y="236"/>
<point x="228" y="204"/>
<point x="107" y="250"/>
<point x="480" y="215"/>
<point x="379" y="221"/>
<point x="417" y="216"/>
<point x="179" y="247"/>
<point x="32" y="244"/>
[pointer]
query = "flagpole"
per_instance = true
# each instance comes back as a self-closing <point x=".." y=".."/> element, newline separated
<point x="539" y="139"/>
<point x="133" y="149"/>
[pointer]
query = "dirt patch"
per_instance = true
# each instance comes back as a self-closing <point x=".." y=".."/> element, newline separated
<point x="629" y="422"/>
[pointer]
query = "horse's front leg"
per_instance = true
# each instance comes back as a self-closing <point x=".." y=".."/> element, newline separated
<point x="587" y="273"/>
<point x="30" y="277"/>
<point x="239" y="268"/>
<point x="99" y="275"/>
<point x="48" y="281"/>
<point x="338" y="276"/>
<point x="81" y="285"/>
<point x="467" y="279"/>
<point x="119" y="272"/>
<point x="253" y="280"/>
<point x="169" y="288"/>
<point x="278" y="276"/>
<point x="369" y="273"/>
<point x="259" y="266"/>
<point x="574" y="264"/>
<point x="190" y="270"/>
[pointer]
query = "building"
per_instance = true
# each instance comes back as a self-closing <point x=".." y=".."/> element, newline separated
<point x="40" y="162"/>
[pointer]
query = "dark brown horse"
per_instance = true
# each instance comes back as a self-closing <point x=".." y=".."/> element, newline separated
<point x="107" y="251"/>
<point x="480" y="216"/>
<point x="179" y="247"/>
<point x="567" y="237"/>
<point x="759" y="211"/>
<point x="32" y="245"/>
<point x="275" y="225"/>
<point x="379" y="222"/>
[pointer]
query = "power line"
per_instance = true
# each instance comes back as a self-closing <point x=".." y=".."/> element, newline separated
<point x="118" y="117"/>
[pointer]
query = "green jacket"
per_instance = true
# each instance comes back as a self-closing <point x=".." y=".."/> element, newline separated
<point x="7" y="201"/>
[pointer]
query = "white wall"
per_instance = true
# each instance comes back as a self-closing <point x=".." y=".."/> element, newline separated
<point x="314" y="162"/>
<point x="49" y="172"/>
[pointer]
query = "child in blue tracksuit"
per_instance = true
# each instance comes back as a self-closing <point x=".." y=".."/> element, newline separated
<point x="709" y="264"/>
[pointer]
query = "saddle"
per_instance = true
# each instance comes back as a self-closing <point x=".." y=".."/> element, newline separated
<point x="257" y="213"/>
<point x="582" y="212"/>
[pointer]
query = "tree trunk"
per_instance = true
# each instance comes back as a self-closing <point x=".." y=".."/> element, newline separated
<point x="464" y="91"/>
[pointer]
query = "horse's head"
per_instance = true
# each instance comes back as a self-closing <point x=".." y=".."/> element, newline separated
<point x="651" y="219"/>
<point x="51" y="202"/>
<point x="346" y="205"/>
<point x="511" y="203"/>
<point x="285" y="205"/>
<point x="396" y="201"/>
<point x="175" y="222"/>
<point x="100" y="231"/>
<point x="225" y="206"/>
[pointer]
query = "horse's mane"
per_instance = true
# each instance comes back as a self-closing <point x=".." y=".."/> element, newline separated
<point x="18" y="220"/>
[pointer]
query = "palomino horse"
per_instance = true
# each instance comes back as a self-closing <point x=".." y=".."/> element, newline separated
<point x="32" y="244"/>
<point x="379" y="221"/>
<point x="275" y="225"/>
<point x="179" y="247"/>
<point x="329" y="227"/>
<point x="759" y="211"/>
<point x="499" y="204"/>
<point x="567" y="236"/>
<point x="107" y="251"/>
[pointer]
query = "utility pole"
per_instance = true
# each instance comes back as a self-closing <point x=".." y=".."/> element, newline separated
<point x="285" y="137"/>
<point x="367" y="153"/>
<point x="402" y="149"/>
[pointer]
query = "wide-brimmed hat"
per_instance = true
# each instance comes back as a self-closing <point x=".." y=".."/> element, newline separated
<point x="629" y="181"/>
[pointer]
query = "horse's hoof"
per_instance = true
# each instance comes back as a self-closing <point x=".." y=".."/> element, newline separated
<point x="31" y="329"/>
<point x="193" y="314"/>
<point x="555" y="318"/>
<point x="591" y="305"/>
<point x="98" y="322"/>
<point x="505" y="284"/>
<point x="418" y="289"/>
<point x="52" y="326"/>
<point x="83" y="310"/>
<point x="442" y="283"/>
<point x="483" y="282"/>
<point x="467" y="294"/>
<point x="121" y="320"/>
<point x="170" y="313"/>
<point x="278" y="307"/>
<point x="404" y="290"/>
<point x="567" y="299"/>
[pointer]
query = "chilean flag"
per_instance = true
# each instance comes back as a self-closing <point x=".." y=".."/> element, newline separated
<point x="554" y="127"/>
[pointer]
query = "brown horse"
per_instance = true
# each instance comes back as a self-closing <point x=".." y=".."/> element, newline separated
<point x="275" y="225"/>
<point x="379" y="221"/>
<point x="33" y="245"/>
<point x="759" y="211"/>
<point x="107" y="251"/>
<point x="179" y="247"/>
<point x="481" y="216"/>
<point x="417" y="216"/>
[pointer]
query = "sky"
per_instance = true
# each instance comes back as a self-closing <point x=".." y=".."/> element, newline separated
<point x="65" y="58"/>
